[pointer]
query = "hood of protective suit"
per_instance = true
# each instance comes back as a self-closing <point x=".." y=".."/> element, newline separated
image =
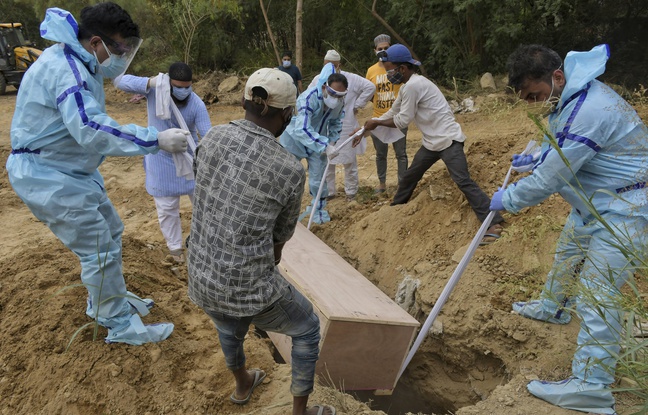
<point x="327" y="70"/>
<point x="60" y="26"/>
<point x="583" y="67"/>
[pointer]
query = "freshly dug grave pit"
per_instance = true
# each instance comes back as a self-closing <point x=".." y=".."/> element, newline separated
<point x="439" y="388"/>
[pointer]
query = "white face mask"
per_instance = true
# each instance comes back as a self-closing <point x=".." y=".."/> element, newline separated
<point x="552" y="101"/>
<point x="332" y="102"/>
<point x="546" y="107"/>
<point x="286" y="64"/>
<point x="113" y="66"/>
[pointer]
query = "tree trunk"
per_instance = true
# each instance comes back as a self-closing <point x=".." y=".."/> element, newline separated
<point x="396" y="35"/>
<point x="272" y="39"/>
<point x="299" y="17"/>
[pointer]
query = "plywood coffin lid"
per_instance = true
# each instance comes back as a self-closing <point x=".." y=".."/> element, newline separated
<point x="335" y="284"/>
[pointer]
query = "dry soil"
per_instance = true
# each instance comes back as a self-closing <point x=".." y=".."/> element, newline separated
<point x="478" y="362"/>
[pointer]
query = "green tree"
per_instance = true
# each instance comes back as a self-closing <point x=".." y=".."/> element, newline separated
<point x="188" y="15"/>
<point x="454" y="38"/>
<point x="22" y="11"/>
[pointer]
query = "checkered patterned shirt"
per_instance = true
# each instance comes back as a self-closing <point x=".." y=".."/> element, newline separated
<point x="247" y="198"/>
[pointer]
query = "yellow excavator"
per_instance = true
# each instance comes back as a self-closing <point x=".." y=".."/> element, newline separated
<point x="16" y="55"/>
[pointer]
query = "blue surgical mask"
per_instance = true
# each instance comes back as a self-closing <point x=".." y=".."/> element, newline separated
<point x="113" y="66"/>
<point x="181" y="93"/>
<point x="286" y="64"/>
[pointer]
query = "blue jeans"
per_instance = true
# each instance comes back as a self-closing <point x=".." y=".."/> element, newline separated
<point x="291" y="315"/>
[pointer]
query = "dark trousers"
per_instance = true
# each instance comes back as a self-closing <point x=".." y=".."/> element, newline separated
<point x="455" y="161"/>
<point x="400" y="148"/>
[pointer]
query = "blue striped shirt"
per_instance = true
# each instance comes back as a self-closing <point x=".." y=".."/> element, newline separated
<point x="161" y="179"/>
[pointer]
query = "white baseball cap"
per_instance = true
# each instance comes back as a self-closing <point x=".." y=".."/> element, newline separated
<point x="278" y="85"/>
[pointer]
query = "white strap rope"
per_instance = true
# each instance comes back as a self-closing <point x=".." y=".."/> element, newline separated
<point x="323" y="182"/>
<point x="183" y="161"/>
<point x="454" y="279"/>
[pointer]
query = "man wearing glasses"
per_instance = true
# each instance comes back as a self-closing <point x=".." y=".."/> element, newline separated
<point x="313" y="132"/>
<point x="359" y="92"/>
<point x="60" y="134"/>
<point x="385" y="95"/>
<point x="421" y="102"/>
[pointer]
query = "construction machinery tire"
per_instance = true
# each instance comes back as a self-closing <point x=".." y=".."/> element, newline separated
<point x="3" y="84"/>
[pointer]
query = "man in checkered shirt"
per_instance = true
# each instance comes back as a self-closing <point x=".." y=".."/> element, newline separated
<point x="246" y="206"/>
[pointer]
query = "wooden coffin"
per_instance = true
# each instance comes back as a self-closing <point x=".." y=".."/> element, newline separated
<point x="365" y="334"/>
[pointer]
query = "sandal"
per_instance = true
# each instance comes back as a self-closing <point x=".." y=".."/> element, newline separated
<point x="259" y="375"/>
<point x="492" y="234"/>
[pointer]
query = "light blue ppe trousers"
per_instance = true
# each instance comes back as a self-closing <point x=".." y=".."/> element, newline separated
<point x="605" y="269"/>
<point x="90" y="227"/>
<point x="316" y="166"/>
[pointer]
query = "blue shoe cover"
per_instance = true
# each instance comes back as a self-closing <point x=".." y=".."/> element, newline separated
<point x="321" y="216"/>
<point x="139" y="305"/>
<point x="134" y="332"/>
<point x="576" y="394"/>
<point x="537" y="311"/>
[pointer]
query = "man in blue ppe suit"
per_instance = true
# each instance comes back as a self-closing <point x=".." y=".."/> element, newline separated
<point x="60" y="134"/>
<point x="600" y="154"/>
<point x="313" y="132"/>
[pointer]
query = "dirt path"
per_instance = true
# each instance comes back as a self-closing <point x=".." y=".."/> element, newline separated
<point x="480" y="361"/>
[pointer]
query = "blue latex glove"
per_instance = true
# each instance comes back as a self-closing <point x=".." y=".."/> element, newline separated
<point x="519" y="160"/>
<point x="496" y="200"/>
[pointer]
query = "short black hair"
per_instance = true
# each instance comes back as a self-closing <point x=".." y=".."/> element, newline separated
<point x="287" y="53"/>
<point x="106" y="19"/>
<point x="258" y="106"/>
<point x="337" y="77"/>
<point x="532" y="63"/>
<point x="180" y="71"/>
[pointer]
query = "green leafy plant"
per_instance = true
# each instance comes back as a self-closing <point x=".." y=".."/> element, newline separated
<point x="95" y="323"/>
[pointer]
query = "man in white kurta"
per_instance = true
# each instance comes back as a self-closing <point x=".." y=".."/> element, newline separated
<point x="162" y="180"/>
<point x="359" y="93"/>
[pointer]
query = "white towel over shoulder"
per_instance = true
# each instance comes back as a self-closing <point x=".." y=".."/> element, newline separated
<point x="164" y="106"/>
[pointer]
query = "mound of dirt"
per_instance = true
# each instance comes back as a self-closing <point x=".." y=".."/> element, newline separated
<point x="207" y="88"/>
<point x="477" y="361"/>
<point x="204" y="85"/>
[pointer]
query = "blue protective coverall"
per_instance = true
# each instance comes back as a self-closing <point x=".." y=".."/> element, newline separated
<point x="60" y="134"/>
<point x="313" y="128"/>
<point x="605" y="144"/>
